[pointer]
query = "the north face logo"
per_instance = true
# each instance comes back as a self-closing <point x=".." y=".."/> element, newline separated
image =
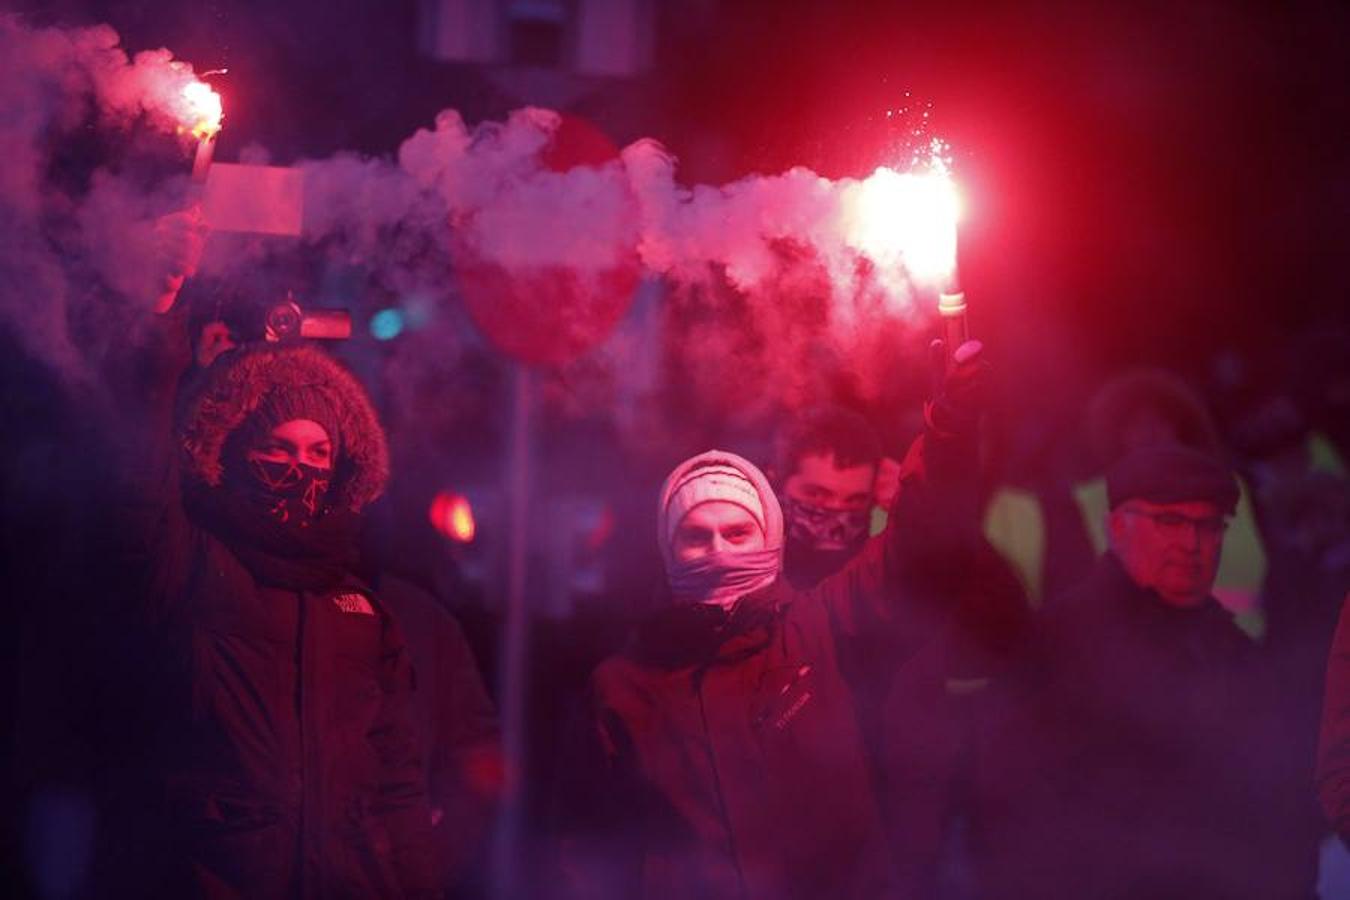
<point x="354" y="603"/>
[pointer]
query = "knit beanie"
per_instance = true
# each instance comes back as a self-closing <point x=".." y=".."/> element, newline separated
<point x="1172" y="475"/>
<point x="718" y="475"/>
<point x="285" y="402"/>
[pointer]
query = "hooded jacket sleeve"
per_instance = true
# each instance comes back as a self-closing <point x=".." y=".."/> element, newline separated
<point x="148" y="527"/>
<point x="1333" y="756"/>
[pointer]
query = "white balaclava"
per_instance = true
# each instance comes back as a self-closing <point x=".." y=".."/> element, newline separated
<point x="720" y="578"/>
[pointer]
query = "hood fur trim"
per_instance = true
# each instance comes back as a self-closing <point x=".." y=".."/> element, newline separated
<point x="239" y="382"/>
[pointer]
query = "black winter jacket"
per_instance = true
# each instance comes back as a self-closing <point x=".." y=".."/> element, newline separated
<point x="1145" y="744"/>
<point x="287" y="756"/>
<point x="465" y="768"/>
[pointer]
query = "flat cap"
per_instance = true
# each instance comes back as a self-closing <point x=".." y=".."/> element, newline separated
<point x="1172" y="474"/>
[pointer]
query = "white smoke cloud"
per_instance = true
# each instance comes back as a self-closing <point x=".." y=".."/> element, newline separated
<point x="787" y="245"/>
<point x="511" y="210"/>
<point x="73" y="235"/>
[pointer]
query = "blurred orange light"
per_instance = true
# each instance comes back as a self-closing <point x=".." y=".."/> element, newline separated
<point x="452" y="515"/>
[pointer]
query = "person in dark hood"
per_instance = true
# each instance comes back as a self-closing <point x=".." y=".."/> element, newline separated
<point x="734" y="764"/>
<point x="285" y="748"/>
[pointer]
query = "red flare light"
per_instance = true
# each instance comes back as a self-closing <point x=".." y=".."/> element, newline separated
<point x="200" y="110"/>
<point x="909" y="219"/>
<point x="452" y="515"/>
<point x="905" y="222"/>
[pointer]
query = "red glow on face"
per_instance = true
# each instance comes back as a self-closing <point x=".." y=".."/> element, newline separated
<point x="452" y="515"/>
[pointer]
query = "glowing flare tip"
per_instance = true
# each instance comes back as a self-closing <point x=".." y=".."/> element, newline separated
<point x="202" y="109"/>
<point x="909" y="219"/>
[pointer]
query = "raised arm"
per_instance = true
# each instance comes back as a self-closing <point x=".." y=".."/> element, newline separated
<point x="906" y="576"/>
<point x="147" y="527"/>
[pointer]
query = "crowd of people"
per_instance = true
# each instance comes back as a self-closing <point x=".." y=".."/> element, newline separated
<point x="860" y="675"/>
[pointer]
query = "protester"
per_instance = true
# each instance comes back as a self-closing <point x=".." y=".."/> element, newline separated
<point x="1138" y="409"/>
<point x="1148" y="714"/>
<point x="735" y="766"/>
<point x="1148" y="408"/>
<point x="285" y="747"/>
<point x="915" y="711"/>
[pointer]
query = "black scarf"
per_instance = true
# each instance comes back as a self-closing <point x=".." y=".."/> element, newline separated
<point x="806" y="527"/>
<point x="320" y="555"/>
<point x="681" y="634"/>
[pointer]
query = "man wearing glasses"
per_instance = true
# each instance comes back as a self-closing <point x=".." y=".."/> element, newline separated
<point x="1169" y="510"/>
<point x="1145" y="717"/>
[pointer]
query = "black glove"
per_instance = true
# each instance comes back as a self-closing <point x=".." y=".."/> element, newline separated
<point x="963" y="389"/>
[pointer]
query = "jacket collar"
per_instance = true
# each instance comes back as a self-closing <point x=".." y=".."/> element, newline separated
<point x="1112" y="578"/>
<point x="700" y="635"/>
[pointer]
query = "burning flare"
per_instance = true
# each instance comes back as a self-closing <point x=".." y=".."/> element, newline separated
<point x="908" y="219"/>
<point x="200" y="110"/>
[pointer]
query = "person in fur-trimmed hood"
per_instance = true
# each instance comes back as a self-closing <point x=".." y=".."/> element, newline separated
<point x="284" y="745"/>
<point x="282" y="451"/>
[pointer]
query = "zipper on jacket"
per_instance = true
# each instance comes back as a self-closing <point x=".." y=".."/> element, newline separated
<point x="717" y="784"/>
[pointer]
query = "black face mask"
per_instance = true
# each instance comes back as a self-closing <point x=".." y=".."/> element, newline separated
<point x="807" y="527"/>
<point x="292" y="493"/>
<point x="816" y="526"/>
